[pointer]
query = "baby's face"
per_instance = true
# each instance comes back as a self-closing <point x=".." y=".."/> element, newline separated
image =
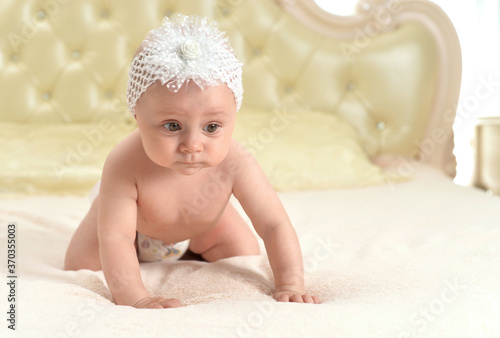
<point x="188" y="130"/>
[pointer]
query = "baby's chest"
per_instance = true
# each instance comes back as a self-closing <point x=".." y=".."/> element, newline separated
<point x="183" y="209"/>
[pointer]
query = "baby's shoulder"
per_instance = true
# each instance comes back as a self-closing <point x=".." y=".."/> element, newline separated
<point x="127" y="152"/>
<point x="121" y="170"/>
<point x="237" y="151"/>
<point x="238" y="158"/>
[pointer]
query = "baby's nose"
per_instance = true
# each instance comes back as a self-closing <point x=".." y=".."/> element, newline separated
<point x="191" y="144"/>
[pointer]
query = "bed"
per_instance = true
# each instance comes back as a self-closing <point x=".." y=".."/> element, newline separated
<point x="350" y="117"/>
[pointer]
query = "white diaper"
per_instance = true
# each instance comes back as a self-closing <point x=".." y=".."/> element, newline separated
<point x="154" y="250"/>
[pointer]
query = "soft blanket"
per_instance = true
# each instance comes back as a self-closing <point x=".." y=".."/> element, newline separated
<point x="413" y="259"/>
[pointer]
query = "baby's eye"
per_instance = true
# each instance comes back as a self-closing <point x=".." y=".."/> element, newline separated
<point x="172" y="126"/>
<point x="211" y="128"/>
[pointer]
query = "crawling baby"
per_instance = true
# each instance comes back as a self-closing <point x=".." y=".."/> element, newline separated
<point x="165" y="188"/>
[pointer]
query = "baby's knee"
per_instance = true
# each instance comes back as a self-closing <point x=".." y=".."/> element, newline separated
<point x="252" y="247"/>
<point x="75" y="263"/>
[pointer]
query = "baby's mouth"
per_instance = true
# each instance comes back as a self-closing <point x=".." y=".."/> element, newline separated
<point x="190" y="162"/>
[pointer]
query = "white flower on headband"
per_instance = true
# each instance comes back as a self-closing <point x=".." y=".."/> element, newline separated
<point x="190" y="50"/>
<point x="184" y="49"/>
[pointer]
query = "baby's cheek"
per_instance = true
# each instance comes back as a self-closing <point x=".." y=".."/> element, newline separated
<point x="221" y="151"/>
<point x="158" y="153"/>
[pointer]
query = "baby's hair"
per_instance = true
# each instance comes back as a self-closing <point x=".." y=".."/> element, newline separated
<point x="184" y="48"/>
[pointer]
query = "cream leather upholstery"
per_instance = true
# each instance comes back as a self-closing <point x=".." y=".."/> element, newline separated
<point x="65" y="62"/>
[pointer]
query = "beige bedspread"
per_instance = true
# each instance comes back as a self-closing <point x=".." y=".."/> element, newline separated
<point x="416" y="259"/>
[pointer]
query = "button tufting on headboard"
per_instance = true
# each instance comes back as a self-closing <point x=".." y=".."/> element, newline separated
<point x="380" y="125"/>
<point x="76" y="54"/>
<point x="46" y="96"/>
<point x="73" y="56"/>
<point x="41" y="15"/>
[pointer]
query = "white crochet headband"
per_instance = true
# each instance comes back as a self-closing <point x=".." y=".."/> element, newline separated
<point x="184" y="48"/>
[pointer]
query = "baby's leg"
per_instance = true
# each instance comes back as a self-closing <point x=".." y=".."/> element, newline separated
<point x="231" y="237"/>
<point x="83" y="250"/>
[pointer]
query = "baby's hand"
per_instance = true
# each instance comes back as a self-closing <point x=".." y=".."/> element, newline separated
<point x="295" y="296"/>
<point x="157" y="303"/>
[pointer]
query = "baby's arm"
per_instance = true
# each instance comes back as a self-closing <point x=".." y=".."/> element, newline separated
<point x="268" y="216"/>
<point x="117" y="219"/>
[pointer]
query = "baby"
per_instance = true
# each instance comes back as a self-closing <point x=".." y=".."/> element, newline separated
<point x="166" y="187"/>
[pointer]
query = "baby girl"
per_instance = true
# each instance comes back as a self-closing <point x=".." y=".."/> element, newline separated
<point x="184" y="90"/>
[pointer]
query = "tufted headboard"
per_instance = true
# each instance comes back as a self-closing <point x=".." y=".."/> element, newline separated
<point x="393" y="70"/>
